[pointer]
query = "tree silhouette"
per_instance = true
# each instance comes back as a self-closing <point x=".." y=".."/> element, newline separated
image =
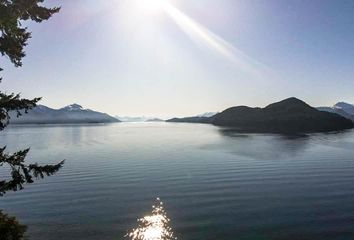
<point x="10" y="228"/>
<point x="13" y="39"/>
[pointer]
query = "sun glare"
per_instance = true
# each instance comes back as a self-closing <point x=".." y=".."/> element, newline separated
<point x="151" y="6"/>
<point x="154" y="226"/>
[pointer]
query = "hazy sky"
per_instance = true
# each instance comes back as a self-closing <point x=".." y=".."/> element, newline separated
<point x="132" y="57"/>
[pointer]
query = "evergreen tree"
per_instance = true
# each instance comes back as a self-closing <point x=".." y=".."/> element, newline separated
<point x="13" y="38"/>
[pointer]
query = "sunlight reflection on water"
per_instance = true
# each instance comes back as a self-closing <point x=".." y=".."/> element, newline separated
<point x="154" y="226"/>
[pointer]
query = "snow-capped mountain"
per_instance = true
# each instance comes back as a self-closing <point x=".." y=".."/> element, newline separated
<point x="72" y="107"/>
<point x="73" y="113"/>
<point x="344" y="109"/>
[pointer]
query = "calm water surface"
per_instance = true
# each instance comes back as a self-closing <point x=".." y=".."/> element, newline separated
<point x="215" y="184"/>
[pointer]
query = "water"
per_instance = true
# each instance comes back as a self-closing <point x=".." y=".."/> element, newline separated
<point x="215" y="184"/>
<point x="154" y="226"/>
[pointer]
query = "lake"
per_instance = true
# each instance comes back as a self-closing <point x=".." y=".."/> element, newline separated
<point x="215" y="183"/>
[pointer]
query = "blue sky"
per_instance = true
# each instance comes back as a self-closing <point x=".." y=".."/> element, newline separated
<point x="126" y="58"/>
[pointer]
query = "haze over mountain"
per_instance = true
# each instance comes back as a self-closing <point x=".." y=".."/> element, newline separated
<point x="194" y="119"/>
<point x="73" y="113"/>
<point x="207" y="114"/>
<point x="342" y="108"/>
<point x="139" y="119"/>
<point x="348" y="108"/>
<point x="201" y="118"/>
<point x="290" y="115"/>
<point x="155" y="120"/>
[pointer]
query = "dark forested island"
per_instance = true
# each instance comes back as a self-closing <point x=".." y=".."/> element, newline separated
<point x="288" y="116"/>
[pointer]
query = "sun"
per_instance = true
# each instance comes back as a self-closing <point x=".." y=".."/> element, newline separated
<point x="152" y="6"/>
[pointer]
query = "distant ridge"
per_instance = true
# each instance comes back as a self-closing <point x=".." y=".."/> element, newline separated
<point x="73" y="113"/>
<point x="201" y="118"/>
<point x="346" y="107"/>
<point x="139" y="119"/>
<point x="288" y="116"/>
<point x="207" y="114"/>
<point x="342" y="108"/>
<point x="191" y="120"/>
<point x="155" y="120"/>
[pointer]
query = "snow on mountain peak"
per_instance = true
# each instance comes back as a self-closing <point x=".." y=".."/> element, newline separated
<point x="73" y="107"/>
<point x="346" y="107"/>
<point x="343" y="105"/>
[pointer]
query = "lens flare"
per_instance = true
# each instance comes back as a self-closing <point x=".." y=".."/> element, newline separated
<point x="154" y="226"/>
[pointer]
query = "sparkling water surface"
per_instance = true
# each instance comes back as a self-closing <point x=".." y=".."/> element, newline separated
<point x="215" y="184"/>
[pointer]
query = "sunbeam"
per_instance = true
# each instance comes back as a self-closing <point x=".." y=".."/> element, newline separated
<point x="202" y="36"/>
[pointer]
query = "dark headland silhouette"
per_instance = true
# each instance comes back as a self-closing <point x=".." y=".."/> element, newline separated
<point x="288" y="116"/>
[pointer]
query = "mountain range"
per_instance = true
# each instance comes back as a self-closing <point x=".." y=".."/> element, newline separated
<point x="288" y="116"/>
<point x="344" y="109"/>
<point x="73" y="113"/>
